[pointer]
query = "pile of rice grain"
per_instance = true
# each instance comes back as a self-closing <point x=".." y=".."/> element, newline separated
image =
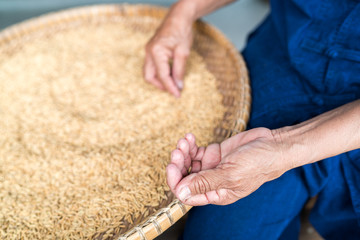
<point x="84" y="141"/>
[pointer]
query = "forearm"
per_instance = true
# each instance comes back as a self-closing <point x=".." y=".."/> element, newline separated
<point x="324" y="136"/>
<point x="189" y="11"/>
<point x="199" y="8"/>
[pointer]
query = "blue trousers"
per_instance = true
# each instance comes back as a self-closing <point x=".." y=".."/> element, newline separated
<point x="272" y="212"/>
<point x="281" y="96"/>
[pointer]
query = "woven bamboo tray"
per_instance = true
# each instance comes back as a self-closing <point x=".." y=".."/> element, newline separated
<point x="221" y="58"/>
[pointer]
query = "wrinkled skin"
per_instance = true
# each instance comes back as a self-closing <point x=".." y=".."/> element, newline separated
<point x="224" y="173"/>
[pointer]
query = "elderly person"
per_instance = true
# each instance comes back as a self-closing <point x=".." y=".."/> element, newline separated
<point x="304" y="66"/>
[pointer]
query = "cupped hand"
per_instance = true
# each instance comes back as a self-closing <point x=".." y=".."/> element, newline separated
<point x="170" y="44"/>
<point x="224" y="173"/>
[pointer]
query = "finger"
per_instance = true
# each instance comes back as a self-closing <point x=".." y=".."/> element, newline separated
<point x="200" y="154"/>
<point x="195" y="166"/>
<point x="200" y="183"/>
<point x="197" y="200"/>
<point x="163" y="73"/>
<point x="178" y="69"/>
<point x="177" y="158"/>
<point x="183" y="145"/>
<point x="211" y="157"/>
<point x="173" y="176"/>
<point x="193" y="148"/>
<point x="231" y="143"/>
<point x="150" y="73"/>
<point x="212" y="197"/>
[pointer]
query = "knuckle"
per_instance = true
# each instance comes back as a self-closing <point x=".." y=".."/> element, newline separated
<point x="165" y="80"/>
<point x="184" y="53"/>
<point x="266" y="131"/>
<point x="152" y="51"/>
<point x="155" y="48"/>
<point x="262" y="131"/>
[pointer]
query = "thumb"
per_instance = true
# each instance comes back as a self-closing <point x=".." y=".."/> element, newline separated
<point x="200" y="183"/>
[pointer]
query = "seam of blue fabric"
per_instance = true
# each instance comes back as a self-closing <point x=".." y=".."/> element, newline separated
<point x="332" y="52"/>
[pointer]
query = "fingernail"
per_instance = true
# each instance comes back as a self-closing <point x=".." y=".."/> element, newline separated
<point x="179" y="84"/>
<point x="185" y="194"/>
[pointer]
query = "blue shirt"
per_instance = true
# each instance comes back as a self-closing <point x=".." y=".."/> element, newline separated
<point x="305" y="60"/>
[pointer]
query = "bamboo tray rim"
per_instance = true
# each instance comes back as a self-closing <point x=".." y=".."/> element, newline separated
<point x="156" y="224"/>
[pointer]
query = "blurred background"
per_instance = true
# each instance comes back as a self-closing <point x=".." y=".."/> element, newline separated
<point x="236" y="21"/>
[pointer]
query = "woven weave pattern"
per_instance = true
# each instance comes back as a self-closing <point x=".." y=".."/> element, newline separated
<point x="220" y="58"/>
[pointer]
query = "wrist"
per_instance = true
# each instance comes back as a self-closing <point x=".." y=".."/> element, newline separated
<point x="294" y="148"/>
<point x="184" y="11"/>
